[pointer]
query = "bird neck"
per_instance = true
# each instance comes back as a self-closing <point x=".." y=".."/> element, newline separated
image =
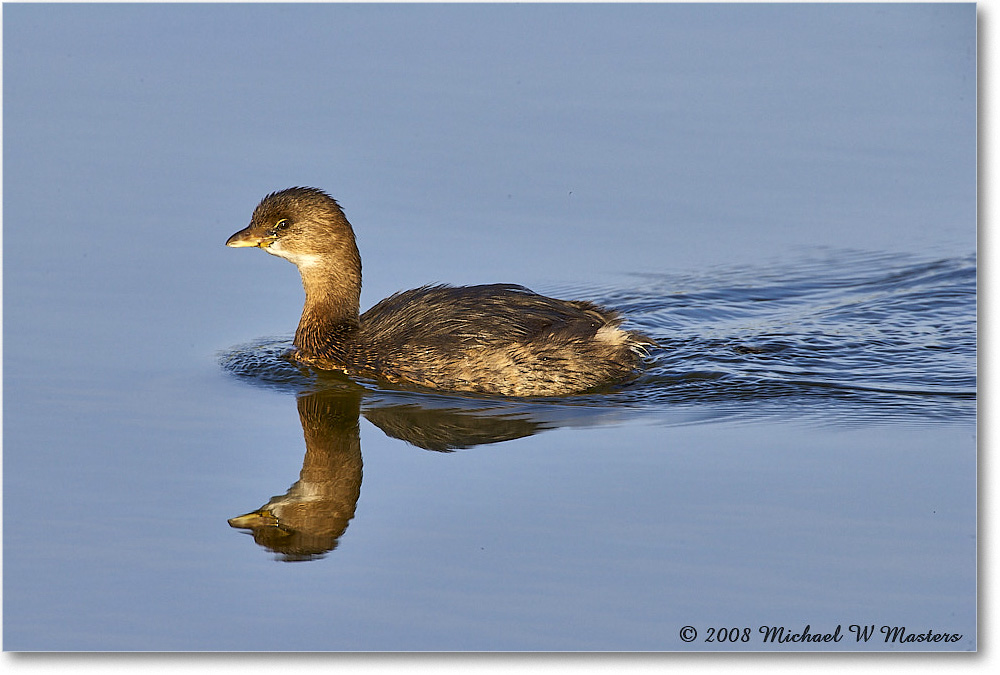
<point x="333" y="298"/>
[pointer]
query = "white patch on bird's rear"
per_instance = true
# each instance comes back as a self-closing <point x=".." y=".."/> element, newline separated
<point x="612" y="335"/>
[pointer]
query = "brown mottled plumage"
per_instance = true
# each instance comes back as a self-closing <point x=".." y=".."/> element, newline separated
<point x="496" y="339"/>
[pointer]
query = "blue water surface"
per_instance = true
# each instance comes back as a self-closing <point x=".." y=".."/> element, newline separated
<point x="784" y="196"/>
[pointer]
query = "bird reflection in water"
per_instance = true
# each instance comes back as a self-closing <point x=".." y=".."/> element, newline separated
<point x="308" y="520"/>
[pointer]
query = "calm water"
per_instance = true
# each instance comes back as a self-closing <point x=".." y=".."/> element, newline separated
<point x="783" y="196"/>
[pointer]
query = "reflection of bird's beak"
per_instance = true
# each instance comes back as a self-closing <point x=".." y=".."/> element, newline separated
<point x="260" y="518"/>
<point x="244" y="238"/>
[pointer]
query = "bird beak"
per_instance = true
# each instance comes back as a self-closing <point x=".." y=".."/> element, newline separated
<point x="244" y="238"/>
<point x="258" y="518"/>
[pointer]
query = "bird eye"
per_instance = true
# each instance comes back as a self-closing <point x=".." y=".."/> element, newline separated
<point x="282" y="224"/>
